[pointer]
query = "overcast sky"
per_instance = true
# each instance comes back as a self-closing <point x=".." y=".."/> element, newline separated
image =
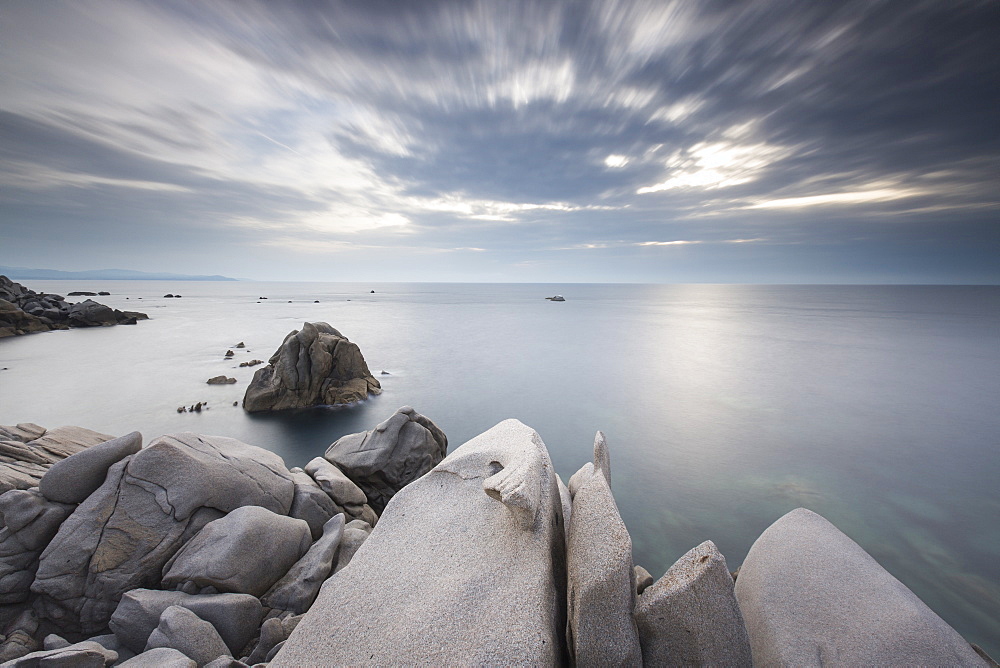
<point x="646" y="141"/>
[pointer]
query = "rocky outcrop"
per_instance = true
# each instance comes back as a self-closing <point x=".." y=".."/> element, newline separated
<point x="390" y="456"/>
<point x="73" y="479"/>
<point x="27" y="451"/>
<point x="314" y="366"/>
<point x="810" y="596"/>
<point x="151" y="503"/>
<point x="690" y="616"/>
<point x="28" y="521"/>
<point x="23" y="311"/>
<point x="601" y="591"/>
<point x="466" y="566"/>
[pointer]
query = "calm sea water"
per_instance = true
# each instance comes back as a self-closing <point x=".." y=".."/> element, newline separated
<point x="724" y="406"/>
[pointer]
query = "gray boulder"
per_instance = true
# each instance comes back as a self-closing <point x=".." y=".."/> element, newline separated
<point x="297" y="590"/>
<point x="184" y="631"/>
<point x="28" y="521"/>
<point x="26" y="454"/>
<point x="393" y="454"/>
<point x="601" y="631"/>
<point x="466" y="566"/>
<point x="159" y="657"/>
<point x="235" y="616"/>
<point x="314" y="366"/>
<point x="151" y="503"/>
<point x="333" y="481"/>
<point x="355" y="534"/>
<point x="272" y="633"/>
<point x="89" y="313"/>
<point x="690" y="615"/>
<point x="73" y="479"/>
<point x="227" y="554"/>
<point x="311" y="503"/>
<point x="84" y="654"/>
<point x="812" y="596"/>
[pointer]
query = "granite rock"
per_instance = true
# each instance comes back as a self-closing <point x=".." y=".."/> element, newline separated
<point x="73" y="479"/>
<point x="27" y="451"/>
<point x="151" y="503"/>
<point x="338" y="486"/>
<point x="642" y="579"/>
<point x="297" y="590"/>
<point x="690" y="615"/>
<point x="466" y="566"/>
<point x="600" y="579"/>
<point x="227" y="553"/>
<point x="354" y="536"/>
<point x="159" y="657"/>
<point x="314" y="366"/>
<point x="811" y="596"/>
<point x="84" y="654"/>
<point x="311" y="503"/>
<point x="28" y="521"/>
<point x="393" y="454"/>
<point x="235" y="616"/>
<point x="183" y="630"/>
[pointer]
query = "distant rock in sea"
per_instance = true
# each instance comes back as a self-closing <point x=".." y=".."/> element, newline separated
<point x="23" y="311"/>
<point x="556" y="298"/>
<point x="314" y="366"/>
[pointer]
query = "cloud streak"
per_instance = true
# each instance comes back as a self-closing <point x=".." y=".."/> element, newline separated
<point x="394" y="128"/>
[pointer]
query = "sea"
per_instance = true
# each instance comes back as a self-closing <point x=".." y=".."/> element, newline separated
<point x="724" y="406"/>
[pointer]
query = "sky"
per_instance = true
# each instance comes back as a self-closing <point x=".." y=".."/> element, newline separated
<point x="659" y="141"/>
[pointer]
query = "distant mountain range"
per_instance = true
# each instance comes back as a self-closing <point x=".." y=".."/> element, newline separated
<point x="102" y="275"/>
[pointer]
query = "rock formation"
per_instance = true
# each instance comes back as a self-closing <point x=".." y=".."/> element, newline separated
<point x="811" y="595"/>
<point x="466" y="566"/>
<point x="27" y="451"/>
<point x="314" y="366"/>
<point x="390" y="456"/>
<point x="23" y="311"/>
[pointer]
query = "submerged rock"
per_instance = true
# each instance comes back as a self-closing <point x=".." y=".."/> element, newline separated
<point x="390" y="456"/>
<point x="314" y="366"/>
<point x="466" y="566"/>
<point x="810" y="595"/>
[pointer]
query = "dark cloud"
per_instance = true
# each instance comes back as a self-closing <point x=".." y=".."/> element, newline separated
<point x="547" y="133"/>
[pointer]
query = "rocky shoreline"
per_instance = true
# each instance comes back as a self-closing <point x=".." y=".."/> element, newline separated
<point x="24" y="311"/>
<point x="201" y="550"/>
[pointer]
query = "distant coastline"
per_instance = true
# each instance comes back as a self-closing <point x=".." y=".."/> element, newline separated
<point x="23" y="273"/>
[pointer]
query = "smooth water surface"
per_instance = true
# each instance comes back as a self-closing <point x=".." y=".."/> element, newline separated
<point x="724" y="406"/>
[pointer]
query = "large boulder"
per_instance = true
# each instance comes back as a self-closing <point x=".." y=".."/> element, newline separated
<point x="228" y="556"/>
<point x="600" y="576"/>
<point x="690" y="616"/>
<point x="393" y="454"/>
<point x="297" y="590"/>
<point x="28" y="521"/>
<point x="235" y="616"/>
<point x="314" y="366"/>
<point x="150" y="504"/>
<point x="812" y="596"/>
<point x="73" y="479"/>
<point x="27" y="451"/>
<point x="84" y="654"/>
<point x="89" y="313"/>
<point x="183" y="630"/>
<point x="311" y="503"/>
<point x="466" y="566"/>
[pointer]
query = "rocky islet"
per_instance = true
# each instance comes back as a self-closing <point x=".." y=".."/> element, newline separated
<point x="24" y="311"/>
<point x="161" y="565"/>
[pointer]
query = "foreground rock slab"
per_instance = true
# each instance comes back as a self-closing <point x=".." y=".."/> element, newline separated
<point x="78" y="476"/>
<point x="390" y="456"/>
<point x="28" y="451"/>
<point x="811" y="596"/>
<point x="465" y="567"/>
<point x="314" y="366"/>
<point x="690" y="615"/>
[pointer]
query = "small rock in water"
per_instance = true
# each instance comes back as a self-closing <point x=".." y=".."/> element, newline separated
<point x="372" y="292"/>
<point x="241" y="345"/>
<point x="251" y="363"/>
<point x="221" y="380"/>
<point x="289" y="301"/>
<point x="105" y="293"/>
<point x="315" y="301"/>
<point x="197" y="407"/>
<point x="236" y="403"/>
<point x="181" y="409"/>
<point x="229" y="353"/>
<point x="384" y="373"/>
<point x="261" y="297"/>
<point x="168" y="296"/>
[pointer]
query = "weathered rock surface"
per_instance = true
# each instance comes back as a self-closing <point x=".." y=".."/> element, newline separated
<point x="466" y="566"/>
<point x="228" y="553"/>
<point x="28" y="521"/>
<point x="812" y="596"/>
<point x="160" y="657"/>
<point x="23" y="311"/>
<point x="333" y="481"/>
<point x="78" y="476"/>
<point x="272" y="633"/>
<point x="151" y="503"/>
<point x="183" y="630"/>
<point x="600" y="578"/>
<point x="235" y="616"/>
<point x="311" y="503"/>
<point x="84" y="654"/>
<point x="314" y="366"/>
<point x="27" y="451"/>
<point x="297" y="590"/>
<point x="690" y="615"/>
<point x="355" y="534"/>
<point x="393" y="454"/>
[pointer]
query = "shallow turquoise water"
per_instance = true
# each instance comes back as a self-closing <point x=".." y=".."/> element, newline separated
<point x="724" y="406"/>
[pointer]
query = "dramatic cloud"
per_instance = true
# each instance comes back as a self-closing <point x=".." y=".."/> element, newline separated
<point x="646" y="140"/>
